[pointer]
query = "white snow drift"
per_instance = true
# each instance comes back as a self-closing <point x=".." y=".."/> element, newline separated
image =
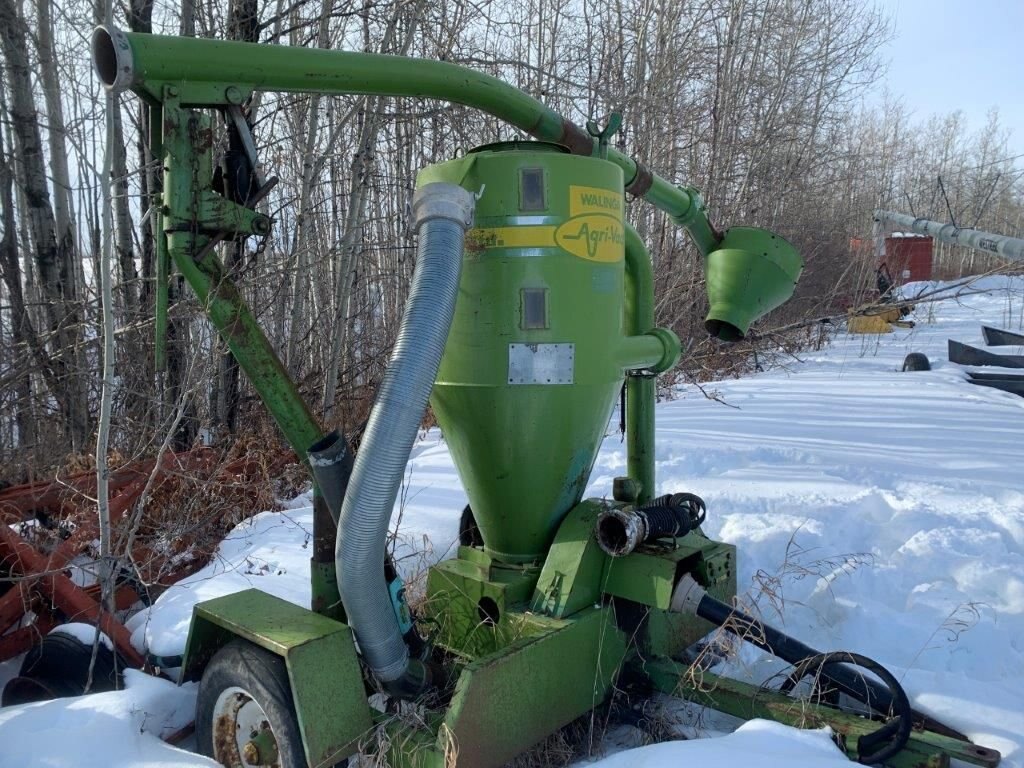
<point x="875" y="511"/>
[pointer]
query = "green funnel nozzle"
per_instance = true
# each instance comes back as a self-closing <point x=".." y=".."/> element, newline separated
<point x="750" y="273"/>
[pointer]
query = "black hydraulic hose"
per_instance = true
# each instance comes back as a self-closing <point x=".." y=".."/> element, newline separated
<point x="690" y="597"/>
<point x="789" y="649"/>
<point x="673" y="515"/>
<point x="879" y="746"/>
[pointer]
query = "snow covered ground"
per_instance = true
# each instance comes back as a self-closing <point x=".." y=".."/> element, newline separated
<point x="874" y="511"/>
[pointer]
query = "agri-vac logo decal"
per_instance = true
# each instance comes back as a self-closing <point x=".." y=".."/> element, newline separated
<point x="592" y="236"/>
<point x="594" y="229"/>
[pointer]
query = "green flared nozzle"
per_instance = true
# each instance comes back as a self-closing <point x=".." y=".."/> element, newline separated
<point x="750" y="273"/>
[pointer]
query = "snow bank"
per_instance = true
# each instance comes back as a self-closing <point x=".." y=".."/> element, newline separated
<point x="759" y="743"/>
<point x="270" y="551"/>
<point x="121" y="729"/>
<point x="875" y="511"/>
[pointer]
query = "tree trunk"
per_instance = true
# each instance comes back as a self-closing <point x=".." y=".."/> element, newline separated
<point x="124" y="253"/>
<point x="361" y="166"/>
<point x="21" y="330"/>
<point x="140" y="19"/>
<point x="243" y="25"/>
<point x="175" y="393"/>
<point x="54" y="260"/>
<point x="310" y="171"/>
<point x="63" y="208"/>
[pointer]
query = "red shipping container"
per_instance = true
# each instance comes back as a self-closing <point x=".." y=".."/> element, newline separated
<point x="909" y="257"/>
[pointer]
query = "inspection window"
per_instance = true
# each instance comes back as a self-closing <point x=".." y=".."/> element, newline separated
<point x="531" y="189"/>
<point x="533" y="308"/>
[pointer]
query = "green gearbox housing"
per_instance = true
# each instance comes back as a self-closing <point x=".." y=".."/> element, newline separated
<point x="538" y="349"/>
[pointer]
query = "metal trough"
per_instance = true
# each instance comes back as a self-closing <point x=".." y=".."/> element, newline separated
<point x="964" y="354"/>
<point x="1006" y="382"/>
<point x="996" y="337"/>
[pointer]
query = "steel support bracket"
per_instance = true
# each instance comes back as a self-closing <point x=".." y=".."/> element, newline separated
<point x="474" y="605"/>
<point x="508" y="700"/>
<point x="197" y="94"/>
<point x="644" y="580"/>
<point x="217" y="214"/>
<point x="571" y="577"/>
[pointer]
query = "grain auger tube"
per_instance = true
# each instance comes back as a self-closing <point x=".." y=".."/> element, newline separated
<point x="1000" y="246"/>
<point x="531" y="304"/>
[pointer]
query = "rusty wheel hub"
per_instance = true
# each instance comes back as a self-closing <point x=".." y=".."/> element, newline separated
<point x="243" y="735"/>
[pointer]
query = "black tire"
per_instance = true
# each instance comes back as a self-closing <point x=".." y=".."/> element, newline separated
<point x="264" y="677"/>
<point x="59" y="667"/>
<point x="916" y="361"/>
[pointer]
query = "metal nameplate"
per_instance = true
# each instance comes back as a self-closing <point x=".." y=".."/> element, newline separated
<point x="541" y="363"/>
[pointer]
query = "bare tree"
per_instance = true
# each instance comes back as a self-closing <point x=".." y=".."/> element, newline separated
<point x="756" y="102"/>
<point x="54" y="259"/>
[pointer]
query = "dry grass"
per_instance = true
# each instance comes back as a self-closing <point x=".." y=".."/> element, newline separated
<point x="185" y="511"/>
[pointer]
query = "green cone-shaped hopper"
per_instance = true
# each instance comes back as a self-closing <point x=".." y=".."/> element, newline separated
<point x="537" y="351"/>
<point x="751" y="273"/>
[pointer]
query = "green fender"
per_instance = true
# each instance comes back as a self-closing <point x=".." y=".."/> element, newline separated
<point x="325" y="676"/>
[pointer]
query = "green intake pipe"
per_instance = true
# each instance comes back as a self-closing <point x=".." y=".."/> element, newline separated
<point x="640" y="390"/>
<point x="185" y="168"/>
<point x="208" y="71"/>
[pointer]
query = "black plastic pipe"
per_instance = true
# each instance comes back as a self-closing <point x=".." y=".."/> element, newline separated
<point x="331" y="461"/>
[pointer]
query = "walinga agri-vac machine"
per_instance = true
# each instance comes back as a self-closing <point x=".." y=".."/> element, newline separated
<point x="531" y="303"/>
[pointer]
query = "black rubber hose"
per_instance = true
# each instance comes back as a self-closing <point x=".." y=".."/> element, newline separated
<point x="674" y="515"/>
<point x="882" y="744"/>
<point x="620" y="530"/>
<point x="331" y="462"/>
<point x="792" y="650"/>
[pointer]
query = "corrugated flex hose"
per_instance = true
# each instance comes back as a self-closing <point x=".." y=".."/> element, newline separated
<point x="442" y="213"/>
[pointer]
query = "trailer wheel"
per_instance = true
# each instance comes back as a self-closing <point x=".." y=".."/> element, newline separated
<point x="245" y="715"/>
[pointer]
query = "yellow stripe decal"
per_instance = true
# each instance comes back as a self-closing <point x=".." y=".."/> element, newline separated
<point x="590" y="236"/>
<point x="511" y="237"/>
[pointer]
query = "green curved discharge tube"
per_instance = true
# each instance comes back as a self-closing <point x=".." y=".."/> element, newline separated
<point x="750" y="273"/>
<point x="203" y="70"/>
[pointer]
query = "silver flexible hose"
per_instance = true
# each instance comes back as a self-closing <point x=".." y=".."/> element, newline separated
<point x="442" y="213"/>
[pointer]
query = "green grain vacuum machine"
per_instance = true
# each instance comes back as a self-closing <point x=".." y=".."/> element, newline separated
<point x="531" y="307"/>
